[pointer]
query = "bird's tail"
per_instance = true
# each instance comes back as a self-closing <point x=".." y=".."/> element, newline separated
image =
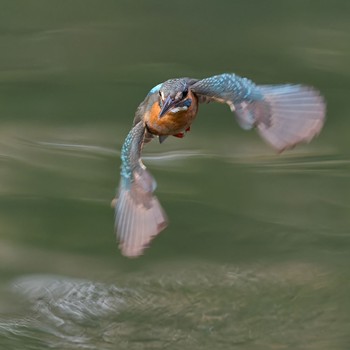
<point x="284" y="115"/>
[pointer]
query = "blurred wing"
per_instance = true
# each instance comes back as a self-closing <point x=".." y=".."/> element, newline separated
<point x="288" y="115"/>
<point x="138" y="213"/>
<point x="284" y="115"/>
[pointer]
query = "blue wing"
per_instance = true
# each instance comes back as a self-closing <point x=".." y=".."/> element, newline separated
<point x="138" y="213"/>
<point x="284" y="115"/>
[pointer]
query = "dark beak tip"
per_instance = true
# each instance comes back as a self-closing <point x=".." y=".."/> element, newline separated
<point x="168" y="103"/>
<point x="162" y="112"/>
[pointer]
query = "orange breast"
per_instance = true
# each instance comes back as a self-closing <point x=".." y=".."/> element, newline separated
<point x="171" y="123"/>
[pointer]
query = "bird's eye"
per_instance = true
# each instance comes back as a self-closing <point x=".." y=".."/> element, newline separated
<point x="160" y="94"/>
<point x="184" y="93"/>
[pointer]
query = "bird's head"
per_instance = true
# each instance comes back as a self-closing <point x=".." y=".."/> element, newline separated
<point x="173" y="96"/>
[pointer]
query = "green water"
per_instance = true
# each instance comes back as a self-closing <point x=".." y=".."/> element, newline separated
<point x="257" y="252"/>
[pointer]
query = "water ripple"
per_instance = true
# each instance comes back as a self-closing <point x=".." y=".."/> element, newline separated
<point x="207" y="306"/>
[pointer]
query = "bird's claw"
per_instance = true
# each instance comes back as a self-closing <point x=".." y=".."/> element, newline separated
<point x="181" y="135"/>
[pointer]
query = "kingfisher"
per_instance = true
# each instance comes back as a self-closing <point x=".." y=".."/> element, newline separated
<point x="284" y="116"/>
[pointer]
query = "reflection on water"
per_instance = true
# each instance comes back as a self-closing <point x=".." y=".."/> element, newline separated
<point x="203" y="305"/>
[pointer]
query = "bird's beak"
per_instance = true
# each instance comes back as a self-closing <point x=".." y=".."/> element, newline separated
<point x="168" y="103"/>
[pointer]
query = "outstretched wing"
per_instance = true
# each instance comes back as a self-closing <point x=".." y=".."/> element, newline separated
<point x="138" y="213"/>
<point x="284" y="115"/>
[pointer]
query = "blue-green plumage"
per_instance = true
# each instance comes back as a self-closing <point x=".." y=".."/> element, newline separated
<point x="155" y="89"/>
<point x="131" y="152"/>
<point x="126" y="171"/>
<point x="228" y="87"/>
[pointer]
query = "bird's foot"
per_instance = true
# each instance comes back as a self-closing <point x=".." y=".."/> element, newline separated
<point x="181" y="135"/>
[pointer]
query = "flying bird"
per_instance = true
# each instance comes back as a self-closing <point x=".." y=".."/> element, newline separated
<point x="284" y="115"/>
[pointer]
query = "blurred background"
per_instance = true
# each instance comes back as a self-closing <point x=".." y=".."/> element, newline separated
<point x="257" y="252"/>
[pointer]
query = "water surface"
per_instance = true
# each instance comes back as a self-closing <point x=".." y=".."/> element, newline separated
<point x="257" y="252"/>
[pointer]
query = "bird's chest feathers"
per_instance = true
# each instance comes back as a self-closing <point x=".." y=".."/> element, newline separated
<point x="177" y="120"/>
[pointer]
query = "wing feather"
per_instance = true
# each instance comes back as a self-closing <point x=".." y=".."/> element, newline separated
<point x="138" y="213"/>
<point x="284" y="115"/>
